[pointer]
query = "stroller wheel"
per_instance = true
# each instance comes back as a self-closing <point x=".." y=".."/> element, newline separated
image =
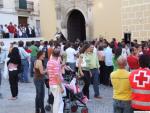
<point x="47" y="107"/>
<point x="84" y="110"/>
<point x="74" y="108"/>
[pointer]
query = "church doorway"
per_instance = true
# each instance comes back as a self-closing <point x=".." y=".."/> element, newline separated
<point x="22" y="20"/>
<point x="76" y="26"/>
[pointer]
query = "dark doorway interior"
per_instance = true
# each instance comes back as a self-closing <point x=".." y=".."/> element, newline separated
<point x="76" y="26"/>
<point x="23" y="20"/>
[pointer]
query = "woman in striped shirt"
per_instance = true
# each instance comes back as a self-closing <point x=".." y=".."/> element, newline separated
<point x="55" y="80"/>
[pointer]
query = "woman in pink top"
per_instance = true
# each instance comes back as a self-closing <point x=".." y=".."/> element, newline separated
<point x="55" y="80"/>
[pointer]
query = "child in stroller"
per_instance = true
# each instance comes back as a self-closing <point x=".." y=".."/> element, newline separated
<point x="73" y="98"/>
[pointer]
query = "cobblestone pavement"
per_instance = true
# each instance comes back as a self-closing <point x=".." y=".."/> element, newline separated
<point x="25" y="101"/>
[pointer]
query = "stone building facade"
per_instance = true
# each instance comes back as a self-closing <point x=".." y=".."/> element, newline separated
<point x="64" y="9"/>
<point x="14" y="11"/>
<point x="109" y="18"/>
<point x="135" y="17"/>
<point x="83" y="19"/>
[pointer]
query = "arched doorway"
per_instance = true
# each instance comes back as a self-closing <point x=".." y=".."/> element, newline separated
<point x="76" y="26"/>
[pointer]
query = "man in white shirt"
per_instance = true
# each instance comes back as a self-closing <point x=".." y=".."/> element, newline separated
<point x="41" y="45"/>
<point x="125" y="51"/>
<point x="108" y="63"/>
<point x="71" y="53"/>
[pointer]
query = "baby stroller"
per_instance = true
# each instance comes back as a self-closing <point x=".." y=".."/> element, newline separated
<point x="74" y="97"/>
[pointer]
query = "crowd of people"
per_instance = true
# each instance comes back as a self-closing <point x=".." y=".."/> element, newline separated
<point x="124" y="66"/>
<point x="14" y="31"/>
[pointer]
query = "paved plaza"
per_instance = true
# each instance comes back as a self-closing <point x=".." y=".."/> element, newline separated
<point x="25" y="101"/>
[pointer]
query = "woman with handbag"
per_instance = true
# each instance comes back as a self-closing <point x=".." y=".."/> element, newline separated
<point x="84" y="70"/>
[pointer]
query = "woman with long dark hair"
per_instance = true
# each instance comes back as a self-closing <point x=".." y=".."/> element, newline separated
<point x="14" y="65"/>
<point x="39" y="82"/>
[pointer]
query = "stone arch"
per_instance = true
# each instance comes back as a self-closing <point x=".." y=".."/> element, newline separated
<point x="76" y="25"/>
<point x="65" y="17"/>
<point x="68" y="12"/>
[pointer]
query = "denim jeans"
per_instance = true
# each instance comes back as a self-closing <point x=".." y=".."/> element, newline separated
<point x="25" y="70"/>
<point x="11" y="35"/>
<point x="45" y="62"/>
<point x="72" y="65"/>
<point x="24" y="35"/>
<point x="1" y="71"/>
<point x="0" y="82"/>
<point x="32" y="66"/>
<point x="0" y="78"/>
<point x="95" y="75"/>
<point x="122" y="106"/>
<point x="40" y="94"/>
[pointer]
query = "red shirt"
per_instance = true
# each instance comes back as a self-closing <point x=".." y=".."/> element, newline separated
<point x="116" y="44"/>
<point x="11" y="29"/>
<point x="133" y="62"/>
<point x="148" y="51"/>
<point x="145" y="52"/>
<point x="28" y="51"/>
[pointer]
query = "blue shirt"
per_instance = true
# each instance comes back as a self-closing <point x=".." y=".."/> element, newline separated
<point x="23" y="53"/>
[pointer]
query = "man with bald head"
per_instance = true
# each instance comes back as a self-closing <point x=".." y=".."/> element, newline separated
<point x="121" y="88"/>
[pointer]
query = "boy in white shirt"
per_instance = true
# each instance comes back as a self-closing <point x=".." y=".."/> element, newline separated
<point x="71" y="53"/>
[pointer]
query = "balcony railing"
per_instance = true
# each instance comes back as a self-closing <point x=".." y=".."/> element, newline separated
<point x="1" y="4"/>
<point x="20" y="6"/>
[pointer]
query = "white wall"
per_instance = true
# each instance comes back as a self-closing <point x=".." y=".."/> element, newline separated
<point x="7" y="18"/>
<point x="9" y="5"/>
<point x="107" y="19"/>
<point x="36" y="6"/>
